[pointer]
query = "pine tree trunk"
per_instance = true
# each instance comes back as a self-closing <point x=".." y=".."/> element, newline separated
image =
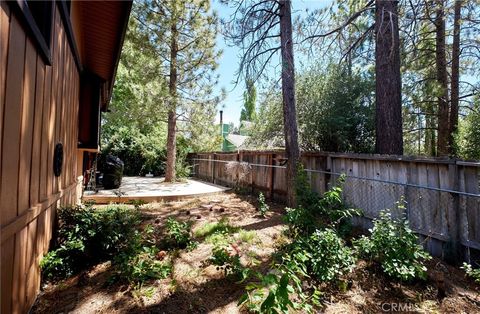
<point x="288" y="94"/>
<point x="455" y="83"/>
<point x="388" y="117"/>
<point x="170" y="175"/>
<point x="442" y="79"/>
<point x="430" y="140"/>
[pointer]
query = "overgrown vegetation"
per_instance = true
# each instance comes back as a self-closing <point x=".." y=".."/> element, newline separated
<point x="144" y="153"/>
<point x="87" y="236"/>
<point x="394" y="246"/>
<point x="178" y="235"/>
<point x="471" y="272"/>
<point x="318" y="252"/>
<point x="229" y="261"/>
<point x="319" y="212"/>
<point x="138" y="262"/>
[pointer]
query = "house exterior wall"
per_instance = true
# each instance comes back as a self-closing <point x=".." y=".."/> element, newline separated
<point x="39" y="106"/>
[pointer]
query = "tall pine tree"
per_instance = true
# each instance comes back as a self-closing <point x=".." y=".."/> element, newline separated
<point x="182" y="35"/>
<point x="249" y="100"/>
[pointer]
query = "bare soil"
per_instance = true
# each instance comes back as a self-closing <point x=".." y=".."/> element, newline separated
<point x="195" y="286"/>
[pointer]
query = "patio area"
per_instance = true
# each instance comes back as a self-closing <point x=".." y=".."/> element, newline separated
<point x="153" y="190"/>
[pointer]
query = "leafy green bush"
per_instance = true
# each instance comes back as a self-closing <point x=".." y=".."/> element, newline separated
<point x="474" y="273"/>
<point x="138" y="262"/>
<point x="395" y="247"/>
<point x="300" y="220"/>
<point x="229" y="262"/>
<point x="63" y="261"/>
<point x="306" y="197"/>
<point x="279" y="291"/>
<point x="325" y="255"/>
<point x="262" y="205"/>
<point x="322" y="256"/>
<point x="140" y="153"/>
<point x="144" y="152"/>
<point x="332" y="207"/>
<point x="178" y="235"/>
<point x="87" y="236"/>
<point x="329" y="211"/>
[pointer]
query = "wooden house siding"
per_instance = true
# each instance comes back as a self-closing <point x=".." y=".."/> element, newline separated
<point x="39" y="107"/>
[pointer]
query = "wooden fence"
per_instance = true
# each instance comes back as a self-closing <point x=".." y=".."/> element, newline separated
<point x="442" y="195"/>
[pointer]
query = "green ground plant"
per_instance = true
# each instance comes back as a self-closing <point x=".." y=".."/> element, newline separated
<point x="313" y="212"/>
<point x="88" y="235"/>
<point x="281" y="289"/>
<point x="317" y="252"/>
<point x="178" y="235"/>
<point x="263" y="207"/>
<point x="471" y="272"/>
<point x="245" y="236"/>
<point x="394" y="246"/>
<point x="221" y="227"/>
<point x="138" y="262"/>
<point x="325" y="255"/>
<point x="229" y="262"/>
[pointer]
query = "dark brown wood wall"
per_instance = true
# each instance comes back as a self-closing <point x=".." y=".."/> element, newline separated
<point x="38" y="108"/>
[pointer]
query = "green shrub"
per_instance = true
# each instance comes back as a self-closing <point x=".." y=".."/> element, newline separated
<point x="279" y="291"/>
<point x="138" y="262"/>
<point x="270" y="295"/>
<point x="334" y="210"/>
<point x="395" y="247"/>
<point x="474" y="273"/>
<point x="306" y="197"/>
<point x="262" y="205"/>
<point x="329" y="211"/>
<point x="300" y="220"/>
<point x="229" y="262"/>
<point x="328" y="257"/>
<point x="87" y="236"/>
<point x="322" y="256"/>
<point x="63" y="261"/>
<point x="178" y="235"/>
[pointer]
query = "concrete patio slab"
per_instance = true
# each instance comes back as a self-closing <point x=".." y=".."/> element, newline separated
<point x="153" y="190"/>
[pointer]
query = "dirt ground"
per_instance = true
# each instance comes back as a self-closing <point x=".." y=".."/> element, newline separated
<point x="195" y="286"/>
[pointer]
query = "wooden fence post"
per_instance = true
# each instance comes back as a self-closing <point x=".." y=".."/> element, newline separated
<point x="252" y="185"/>
<point x="272" y="176"/>
<point x="328" y="176"/>
<point x="455" y="227"/>
<point x="213" y="168"/>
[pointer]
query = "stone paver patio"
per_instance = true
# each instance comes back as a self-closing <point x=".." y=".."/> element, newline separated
<point x="153" y="190"/>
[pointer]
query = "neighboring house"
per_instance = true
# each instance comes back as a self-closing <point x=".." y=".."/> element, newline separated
<point x="232" y="142"/>
<point x="245" y="127"/>
<point x="235" y="142"/>
<point x="57" y="69"/>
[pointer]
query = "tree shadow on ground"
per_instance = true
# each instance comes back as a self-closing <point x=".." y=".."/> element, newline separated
<point x="212" y="295"/>
<point x="71" y="293"/>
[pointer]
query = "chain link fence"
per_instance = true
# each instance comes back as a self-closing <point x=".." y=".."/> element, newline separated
<point x="446" y="217"/>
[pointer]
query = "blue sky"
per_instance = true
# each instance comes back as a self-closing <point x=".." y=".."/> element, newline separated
<point x="228" y="63"/>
